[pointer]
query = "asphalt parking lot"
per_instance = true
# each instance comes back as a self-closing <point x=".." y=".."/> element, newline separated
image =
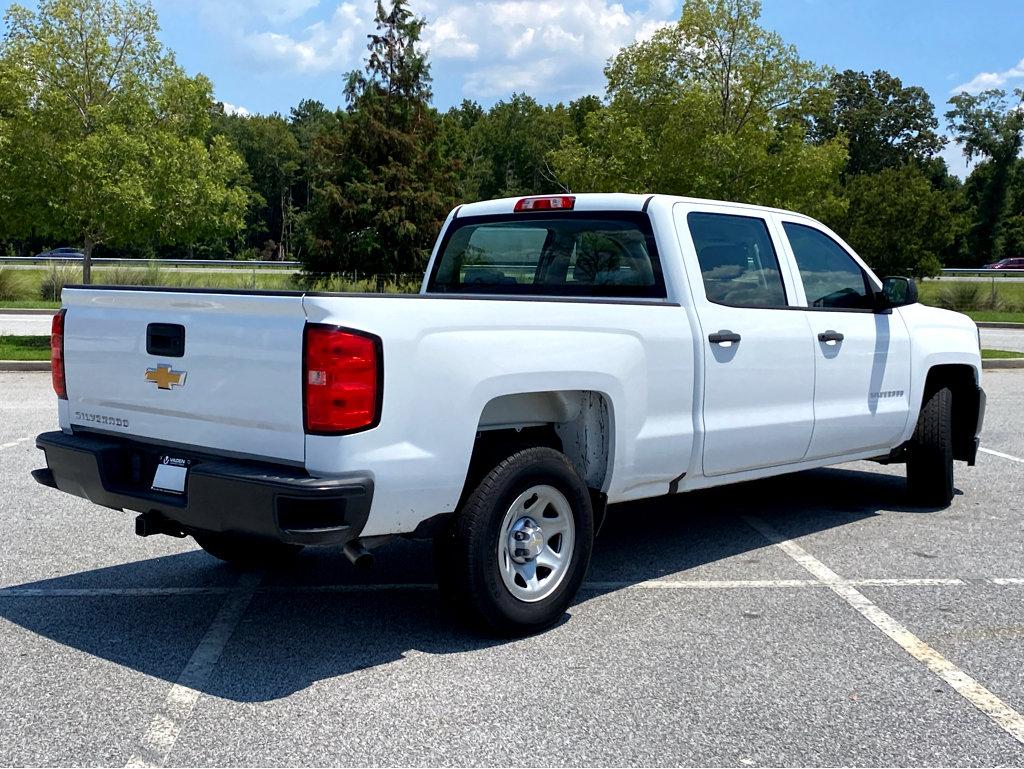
<point x="810" y="619"/>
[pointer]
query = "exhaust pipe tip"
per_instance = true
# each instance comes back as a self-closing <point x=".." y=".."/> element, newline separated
<point x="358" y="555"/>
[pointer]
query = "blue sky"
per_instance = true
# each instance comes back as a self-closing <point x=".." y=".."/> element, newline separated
<point x="266" y="55"/>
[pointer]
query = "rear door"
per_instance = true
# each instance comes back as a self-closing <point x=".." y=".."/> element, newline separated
<point x="862" y="357"/>
<point x="758" y="356"/>
<point x="193" y="370"/>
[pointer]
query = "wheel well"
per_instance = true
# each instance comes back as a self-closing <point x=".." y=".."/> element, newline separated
<point x="962" y="383"/>
<point x="575" y="422"/>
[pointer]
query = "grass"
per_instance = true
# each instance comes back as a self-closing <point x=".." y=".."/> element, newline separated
<point x="1000" y="354"/>
<point x="28" y="304"/>
<point x="989" y="316"/>
<point x="24" y="348"/>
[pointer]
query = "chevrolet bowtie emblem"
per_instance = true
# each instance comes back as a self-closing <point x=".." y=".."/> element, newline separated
<point x="164" y="378"/>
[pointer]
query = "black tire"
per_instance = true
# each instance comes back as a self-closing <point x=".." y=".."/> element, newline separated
<point x="930" y="454"/>
<point x="466" y="553"/>
<point x="245" y="551"/>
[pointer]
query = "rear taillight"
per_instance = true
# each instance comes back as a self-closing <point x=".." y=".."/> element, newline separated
<point x="342" y="379"/>
<point x="60" y="385"/>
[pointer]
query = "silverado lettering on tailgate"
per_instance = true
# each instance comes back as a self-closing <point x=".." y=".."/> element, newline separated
<point x="101" y="419"/>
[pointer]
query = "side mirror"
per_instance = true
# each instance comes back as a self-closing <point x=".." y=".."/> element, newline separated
<point x="898" y="292"/>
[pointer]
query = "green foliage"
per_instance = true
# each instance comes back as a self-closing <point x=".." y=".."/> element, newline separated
<point x="505" y="149"/>
<point x="714" y="106"/>
<point x="273" y="159"/>
<point x="382" y="186"/>
<point x="897" y="222"/>
<point x="107" y="138"/>
<point x="886" y="124"/>
<point x="10" y="286"/>
<point x="963" y="297"/>
<point x="989" y="125"/>
<point x="24" y="347"/>
<point x="58" y="276"/>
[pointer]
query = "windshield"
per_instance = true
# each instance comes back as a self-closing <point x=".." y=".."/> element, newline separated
<point x="561" y="254"/>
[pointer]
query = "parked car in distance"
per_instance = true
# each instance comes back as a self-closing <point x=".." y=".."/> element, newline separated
<point x="565" y="353"/>
<point x="64" y="252"/>
<point x="1012" y="263"/>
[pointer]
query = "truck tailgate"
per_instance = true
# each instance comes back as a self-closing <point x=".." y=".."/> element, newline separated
<point x="234" y="387"/>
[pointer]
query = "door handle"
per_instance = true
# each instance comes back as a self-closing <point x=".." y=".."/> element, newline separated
<point x="830" y="337"/>
<point x="723" y="336"/>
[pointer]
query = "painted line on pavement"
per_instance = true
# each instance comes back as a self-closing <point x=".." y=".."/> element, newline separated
<point x="176" y="709"/>
<point x="981" y="698"/>
<point x="995" y="453"/>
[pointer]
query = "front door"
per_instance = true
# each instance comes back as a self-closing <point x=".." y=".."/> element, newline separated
<point x="862" y="357"/>
<point x="758" y="353"/>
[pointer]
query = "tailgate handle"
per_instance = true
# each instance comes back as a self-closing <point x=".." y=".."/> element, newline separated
<point x="165" y="339"/>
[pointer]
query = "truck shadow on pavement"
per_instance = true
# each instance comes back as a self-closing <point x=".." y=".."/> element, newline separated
<point x="306" y="625"/>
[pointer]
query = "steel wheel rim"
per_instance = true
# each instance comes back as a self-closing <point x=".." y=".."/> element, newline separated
<point x="535" y="543"/>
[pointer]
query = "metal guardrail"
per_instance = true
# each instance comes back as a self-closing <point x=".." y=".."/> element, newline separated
<point x="247" y="264"/>
<point x="982" y="271"/>
<point x="148" y="262"/>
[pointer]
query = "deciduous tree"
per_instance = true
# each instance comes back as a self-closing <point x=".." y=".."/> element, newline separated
<point x="110" y="139"/>
<point x="714" y="106"/>
<point x="990" y="126"/>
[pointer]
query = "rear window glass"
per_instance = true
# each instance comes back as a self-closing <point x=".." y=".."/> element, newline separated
<point x="561" y="254"/>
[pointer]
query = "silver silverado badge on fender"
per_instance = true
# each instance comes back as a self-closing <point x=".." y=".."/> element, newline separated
<point x="165" y="378"/>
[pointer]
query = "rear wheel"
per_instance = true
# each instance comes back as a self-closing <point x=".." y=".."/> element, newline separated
<point x="242" y="550"/>
<point x="520" y="546"/>
<point x="930" y="454"/>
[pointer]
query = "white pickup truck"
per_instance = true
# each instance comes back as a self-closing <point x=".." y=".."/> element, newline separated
<point x="565" y="353"/>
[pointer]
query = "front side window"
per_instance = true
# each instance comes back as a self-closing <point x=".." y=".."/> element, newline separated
<point x="737" y="260"/>
<point x="830" y="276"/>
<point x="561" y="254"/>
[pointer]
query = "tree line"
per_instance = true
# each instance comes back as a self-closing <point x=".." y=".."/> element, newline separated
<point x="106" y="143"/>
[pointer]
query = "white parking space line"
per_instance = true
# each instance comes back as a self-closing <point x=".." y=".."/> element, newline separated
<point x="988" y="703"/>
<point x="159" y="738"/>
<point x="12" y="444"/>
<point x="995" y="453"/>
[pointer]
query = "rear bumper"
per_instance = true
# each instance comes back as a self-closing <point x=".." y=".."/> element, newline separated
<point x="221" y="495"/>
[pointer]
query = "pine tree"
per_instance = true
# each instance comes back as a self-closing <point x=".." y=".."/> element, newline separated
<point x="382" y="183"/>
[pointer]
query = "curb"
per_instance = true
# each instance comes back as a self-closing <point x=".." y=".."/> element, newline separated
<point x="34" y="312"/>
<point x="24" y="365"/>
<point x="994" y="324"/>
<point x="997" y="363"/>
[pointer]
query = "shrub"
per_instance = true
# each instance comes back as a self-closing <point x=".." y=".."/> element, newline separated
<point x="129" y="276"/>
<point x="54" y="281"/>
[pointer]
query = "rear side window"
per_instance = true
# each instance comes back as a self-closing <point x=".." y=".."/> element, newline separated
<point x="561" y="254"/>
<point x="737" y="260"/>
<point x="830" y="276"/>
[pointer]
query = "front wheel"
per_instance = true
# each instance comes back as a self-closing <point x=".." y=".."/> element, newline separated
<point x="930" y="454"/>
<point x="246" y="551"/>
<point x="519" y="548"/>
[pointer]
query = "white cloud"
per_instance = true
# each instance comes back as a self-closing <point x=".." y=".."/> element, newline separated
<point x="231" y="109"/>
<point x="333" y="44"/>
<point x="985" y="80"/>
<point x="555" y="48"/>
